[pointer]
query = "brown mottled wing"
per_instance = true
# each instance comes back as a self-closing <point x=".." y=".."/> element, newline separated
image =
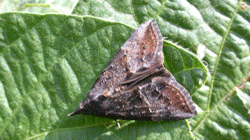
<point x="135" y="85"/>
<point x="142" y="50"/>
<point x="157" y="99"/>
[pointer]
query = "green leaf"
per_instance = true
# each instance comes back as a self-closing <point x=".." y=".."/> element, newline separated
<point x="48" y="63"/>
<point x="38" y="6"/>
<point x="186" y="67"/>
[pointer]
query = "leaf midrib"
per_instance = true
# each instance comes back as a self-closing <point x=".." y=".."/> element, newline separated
<point x="209" y="109"/>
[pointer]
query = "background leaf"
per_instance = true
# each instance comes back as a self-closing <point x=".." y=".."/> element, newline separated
<point x="38" y="6"/>
<point x="49" y="63"/>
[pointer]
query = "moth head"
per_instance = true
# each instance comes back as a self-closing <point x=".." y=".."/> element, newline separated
<point x="94" y="94"/>
<point x="81" y="105"/>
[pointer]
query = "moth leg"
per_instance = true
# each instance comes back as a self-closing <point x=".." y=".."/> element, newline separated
<point x="119" y="126"/>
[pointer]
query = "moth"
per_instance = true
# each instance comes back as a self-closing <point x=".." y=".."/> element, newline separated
<point x="136" y="86"/>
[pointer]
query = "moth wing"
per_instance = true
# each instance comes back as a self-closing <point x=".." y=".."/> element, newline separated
<point x="142" y="50"/>
<point x="136" y="86"/>
<point x="160" y="99"/>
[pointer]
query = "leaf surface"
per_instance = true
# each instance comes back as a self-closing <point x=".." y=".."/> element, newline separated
<point x="48" y="63"/>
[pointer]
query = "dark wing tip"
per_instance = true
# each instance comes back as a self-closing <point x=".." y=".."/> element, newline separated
<point x="77" y="111"/>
